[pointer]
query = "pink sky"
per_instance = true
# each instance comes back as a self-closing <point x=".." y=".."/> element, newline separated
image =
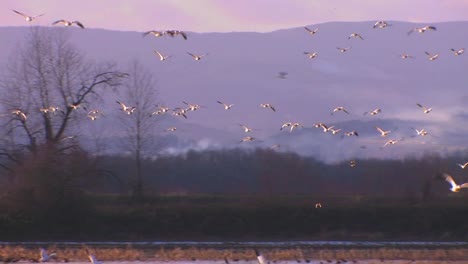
<point x="228" y="15"/>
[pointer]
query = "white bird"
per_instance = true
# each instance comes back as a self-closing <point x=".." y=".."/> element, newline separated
<point x="355" y="35"/>
<point x="295" y="125"/>
<point x="455" y="187"/>
<point x="334" y="131"/>
<point x="373" y="112"/>
<point x="154" y="33"/>
<point x="261" y="259"/>
<point x="324" y="127"/>
<point x="68" y="23"/>
<point x="311" y="32"/>
<point x="192" y="107"/>
<point x="311" y="55"/>
<point x="226" y="106"/>
<point x="406" y="56"/>
<point x="432" y="57"/>
<point x="463" y="166"/>
<point x="26" y="17"/>
<point x="268" y="106"/>
<point x="44" y="257"/>
<point x="425" y="110"/>
<point x="381" y="24"/>
<point x="127" y="109"/>
<point x="383" y="133"/>
<point x="171" y="129"/>
<point x="162" y="57"/>
<point x="288" y="124"/>
<point x="245" y="139"/>
<point x="343" y="50"/>
<point x="196" y="57"/>
<point x="340" y="108"/>
<point x="421" y="132"/>
<point x="246" y="128"/>
<point x="422" y="29"/>
<point x="180" y="112"/>
<point x="458" y="52"/>
<point x="392" y="142"/>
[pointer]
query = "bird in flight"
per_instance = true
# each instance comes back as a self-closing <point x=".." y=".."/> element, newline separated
<point x="463" y="166"/>
<point x="154" y="33"/>
<point x="174" y="33"/>
<point x="246" y="128"/>
<point x="196" y="57"/>
<point x="162" y="57"/>
<point x="339" y="108"/>
<point x="245" y="139"/>
<point x="311" y="55"/>
<point x="355" y="35"/>
<point x="352" y="133"/>
<point x="44" y="257"/>
<point x="421" y="132"/>
<point x="26" y="17"/>
<point x="343" y="50"/>
<point x="127" y="109"/>
<point x="373" y="112"/>
<point x="425" y="110"/>
<point x="295" y="125"/>
<point x="455" y="187"/>
<point x="381" y="24"/>
<point x="267" y="105"/>
<point x="458" y="52"/>
<point x="392" y="142"/>
<point x="383" y="133"/>
<point x="432" y="57"/>
<point x="422" y="29"/>
<point x="68" y="23"/>
<point x="261" y="259"/>
<point x="311" y="32"/>
<point x="20" y="113"/>
<point x="406" y="56"/>
<point x="226" y="106"/>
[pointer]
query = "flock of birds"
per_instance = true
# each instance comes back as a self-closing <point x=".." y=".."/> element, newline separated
<point x="183" y="111"/>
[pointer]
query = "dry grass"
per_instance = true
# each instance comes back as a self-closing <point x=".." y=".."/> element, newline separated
<point x="171" y="254"/>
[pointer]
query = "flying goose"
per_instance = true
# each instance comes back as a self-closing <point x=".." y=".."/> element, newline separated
<point x="162" y="57"/>
<point x="74" y="106"/>
<point x="421" y="132"/>
<point x="192" y="107"/>
<point x="373" y="112"/>
<point x="174" y="33"/>
<point x="161" y="110"/>
<point x="311" y="55"/>
<point x="432" y="57"/>
<point x="392" y="142"/>
<point x="406" y="56"/>
<point x="268" y="106"/>
<point x="44" y="257"/>
<point x="422" y="29"/>
<point x="381" y="24"/>
<point x="196" y="57"/>
<point x="458" y="52"/>
<point x="20" y="113"/>
<point x="352" y="133"/>
<point x="295" y="125"/>
<point x="334" y="131"/>
<point x="311" y="32"/>
<point x="26" y="17"/>
<point x="287" y="124"/>
<point x="245" y="139"/>
<point x="325" y="128"/>
<point x="382" y="132"/>
<point x="343" y="50"/>
<point x="355" y="35"/>
<point x="463" y="166"/>
<point x="246" y="128"/>
<point x="226" y="106"/>
<point x="180" y="112"/>
<point x="425" y="110"/>
<point x="68" y="23"/>
<point x="455" y="187"/>
<point x="339" y="108"/>
<point x="352" y="163"/>
<point x="170" y="129"/>
<point x="127" y="109"/>
<point x="154" y="33"/>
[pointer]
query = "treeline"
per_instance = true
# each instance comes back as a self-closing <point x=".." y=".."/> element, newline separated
<point x="267" y="172"/>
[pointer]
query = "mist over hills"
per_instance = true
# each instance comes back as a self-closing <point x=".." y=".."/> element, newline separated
<point x="241" y="68"/>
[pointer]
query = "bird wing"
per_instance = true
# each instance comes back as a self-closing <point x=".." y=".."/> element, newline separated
<point x="344" y="110"/>
<point x="427" y="53"/>
<point x="78" y="23"/>
<point x="308" y="29"/>
<point x="183" y="35"/>
<point x="432" y="27"/>
<point x="272" y="108"/>
<point x="39" y="15"/>
<point x="449" y="179"/>
<point x="191" y="54"/>
<point x="159" y="54"/>
<point x="465" y="185"/>
<point x="420" y="106"/>
<point x="219" y="102"/>
<point x="19" y="13"/>
<point x="360" y="37"/>
<point x="411" y="31"/>
<point x="59" y="21"/>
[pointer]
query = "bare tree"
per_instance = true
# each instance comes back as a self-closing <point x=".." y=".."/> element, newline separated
<point x="46" y="84"/>
<point x="139" y="91"/>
